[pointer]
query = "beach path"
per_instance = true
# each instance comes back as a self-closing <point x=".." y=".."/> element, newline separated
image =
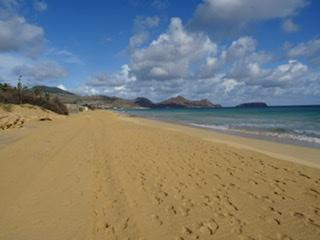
<point x="99" y="176"/>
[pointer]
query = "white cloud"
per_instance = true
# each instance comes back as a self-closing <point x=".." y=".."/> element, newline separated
<point x="241" y="60"/>
<point x="100" y="80"/>
<point x="87" y="90"/>
<point x="40" y="5"/>
<point x="310" y="49"/>
<point x="158" y="72"/>
<point x="289" y="26"/>
<point x="229" y="84"/>
<point x="62" y="87"/>
<point x="142" y="23"/>
<point x="246" y="65"/>
<point x="172" y="55"/>
<point x="287" y="73"/>
<point x="65" y="55"/>
<point x="17" y="35"/>
<point x="45" y="70"/>
<point x="142" y="26"/>
<point x="282" y="76"/>
<point x="7" y="63"/>
<point x="138" y="39"/>
<point x="23" y="45"/>
<point x="240" y="48"/>
<point x="7" y="7"/>
<point x="160" y="4"/>
<point x="210" y="66"/>
<point x="230" y="16"/>
<point x="306" y="51"/>
<point x="104" y="80"/>
<point x="180" y="62"/>
<point x="9" y="3"/>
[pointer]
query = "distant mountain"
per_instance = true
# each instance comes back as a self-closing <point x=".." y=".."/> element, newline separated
<point x="144" y="102"/>
<point x="181" y="102"/>
<point x="253" y="105"/>
<point x="101" y="101"/>
<point x="54" y="90"/>
<point x="64" y="96"/>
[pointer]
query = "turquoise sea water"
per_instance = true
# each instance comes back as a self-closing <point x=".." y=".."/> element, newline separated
<point x="299" y="124"/>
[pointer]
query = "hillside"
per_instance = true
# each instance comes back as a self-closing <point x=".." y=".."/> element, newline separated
<point x="53" y="90"/>
<point x="95" y="101"/>
<point x="181" y="102"/>
<point x="33" y="96"/>
<point x="64" y="96"/>
<point x="105" y="102"/>
<point x="100" y="101"/>
<point x="144" y="102"/>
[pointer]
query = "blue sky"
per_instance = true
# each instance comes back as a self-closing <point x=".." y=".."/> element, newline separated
<point x="228" y="51"/>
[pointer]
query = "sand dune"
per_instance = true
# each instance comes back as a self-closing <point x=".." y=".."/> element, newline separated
<point x="100" y="176"/>
<point x="17" y="115"/>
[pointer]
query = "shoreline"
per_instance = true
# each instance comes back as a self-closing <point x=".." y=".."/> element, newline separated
<point x="258" y="136"/>
<point x="278" y="134"/>
<point x="306" y="155"/>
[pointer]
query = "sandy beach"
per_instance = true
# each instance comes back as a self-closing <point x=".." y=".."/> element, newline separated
<point x="98" y="175"/>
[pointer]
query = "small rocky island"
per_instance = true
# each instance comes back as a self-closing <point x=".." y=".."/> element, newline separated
<point x="176" y="102"/>
<point x="253" y="105"/>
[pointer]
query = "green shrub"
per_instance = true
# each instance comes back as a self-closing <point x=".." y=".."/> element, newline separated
<point x="7" y="107"/>
<point x="10" y="95"/>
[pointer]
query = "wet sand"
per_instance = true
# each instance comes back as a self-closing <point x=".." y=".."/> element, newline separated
<point x="97" y="175"/>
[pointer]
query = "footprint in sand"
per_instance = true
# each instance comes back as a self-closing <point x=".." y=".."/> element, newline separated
<point x="157" y="219"/>
<point x="202" y="229"/>
<point x="304" y="175"/>
<point x="172" y="210"/>
<point x="208" y="228"/>
<point x="281" y="236"/>
<point x="270" y="219"/>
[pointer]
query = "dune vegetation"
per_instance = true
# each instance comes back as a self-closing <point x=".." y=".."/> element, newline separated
<point x="23" y="95"/>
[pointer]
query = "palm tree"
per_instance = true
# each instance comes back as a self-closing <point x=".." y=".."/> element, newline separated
<point x="37" y="92"/>
<point x="20" y="89"/>
<point x="47" y="96"/>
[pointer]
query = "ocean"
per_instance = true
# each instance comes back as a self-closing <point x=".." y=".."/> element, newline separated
<point x="294" y="124"/>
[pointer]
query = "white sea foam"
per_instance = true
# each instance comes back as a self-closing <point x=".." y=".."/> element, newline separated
<point x="286" y="136"/>
<point x="215" y="127"/>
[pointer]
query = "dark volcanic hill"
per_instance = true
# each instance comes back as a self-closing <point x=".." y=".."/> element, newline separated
<point x="253" y="105"/>
<point x="101" y="101"/>
<point x="95" y="100"/>
<point x="181" y="102"/>
<point x="54" y="90"/>
<point x="144" y="102"/>
<point x="64" y="96"/>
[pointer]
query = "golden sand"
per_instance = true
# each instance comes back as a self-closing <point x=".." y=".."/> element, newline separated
<point x="99" y="176"/>
<point x="16" y="116"/>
